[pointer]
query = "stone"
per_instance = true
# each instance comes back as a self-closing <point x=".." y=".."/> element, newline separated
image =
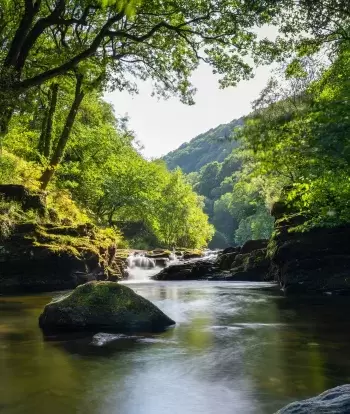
<point x="106" y="306"/>
<point x="190" y="270"/>
<point x="315" y="261"/>
<point x="252" y="245"/>
<point x="253" y="266"/>
<point x="231" y="250"/>
<point x="37" y="258"/>
<point x="333" y="401"/>
<point x="225" y="261"/>
<point x="20" y="194"/>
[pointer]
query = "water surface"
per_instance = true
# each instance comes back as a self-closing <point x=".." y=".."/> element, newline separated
<point x="236" y="348"/>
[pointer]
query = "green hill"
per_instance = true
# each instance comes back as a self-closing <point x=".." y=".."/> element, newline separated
<point x="210" y="164"/>
<point x="213" y="145"/>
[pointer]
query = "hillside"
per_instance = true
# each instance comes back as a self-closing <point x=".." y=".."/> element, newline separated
<point x="213" y="145"/>
<point x="209" y="162"/>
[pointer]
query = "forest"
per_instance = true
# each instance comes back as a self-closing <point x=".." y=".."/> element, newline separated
<point x="110" y="301"/>
<point x="59" y="136"/>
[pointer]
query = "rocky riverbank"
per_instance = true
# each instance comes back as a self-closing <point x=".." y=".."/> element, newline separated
<point x="313" y="261"/>
<point x="45" y="255"/>
<point x="246" y="263"/>
<point x="316" y="261"/>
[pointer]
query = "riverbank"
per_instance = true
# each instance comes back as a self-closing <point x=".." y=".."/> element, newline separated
<point x="39" y="251"/>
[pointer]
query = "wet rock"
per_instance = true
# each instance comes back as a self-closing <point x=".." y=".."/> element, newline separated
<point x="103" y="306"/>
<point x="225" y="261"/>
<point x="333" y="401"/>
<point x="231" y="250"/>
<point x="316" y="261"/>
<point x="252" y="245"/>
<point x="193" y="270"/>
<point x="253" y="266"/>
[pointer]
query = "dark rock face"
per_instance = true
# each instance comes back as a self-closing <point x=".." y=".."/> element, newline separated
<point x="103" y="305"/>
<point x="251" y="245"/>
<point x="232" y="265"/>
<point x="231" y="250"/>
<point x="251" y="266"/>
<point x="35" y="259"/>
<point x="194" y="270"/>
<point x="35" y="269"/>
<point x="334" y="401"/>
<point x="226" y="260"/>
<point x="317" y="260"/>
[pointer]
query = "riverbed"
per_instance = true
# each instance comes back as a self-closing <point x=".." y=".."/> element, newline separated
<point x="236" y="348"/>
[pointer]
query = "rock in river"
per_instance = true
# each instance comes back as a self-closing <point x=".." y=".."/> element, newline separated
<point x="105" y="306"/>
<point x="334" y="401"/>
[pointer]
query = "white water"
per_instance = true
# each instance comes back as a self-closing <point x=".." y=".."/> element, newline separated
<point x="141" y="268"/>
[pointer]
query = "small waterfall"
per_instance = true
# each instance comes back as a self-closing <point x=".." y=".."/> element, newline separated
<point x="140" y="267"/>
<point x="210" y="255"/>
<point x="140" y="260"/>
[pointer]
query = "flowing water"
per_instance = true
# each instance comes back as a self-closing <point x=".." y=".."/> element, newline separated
<point x="236" y="348"/>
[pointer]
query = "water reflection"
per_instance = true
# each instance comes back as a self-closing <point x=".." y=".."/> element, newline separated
<point x="236" y="348"/>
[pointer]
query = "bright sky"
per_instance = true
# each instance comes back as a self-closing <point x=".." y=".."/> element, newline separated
<point x="162" y="126"/>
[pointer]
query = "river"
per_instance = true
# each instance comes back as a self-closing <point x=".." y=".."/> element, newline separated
<point x="236" y="348"/>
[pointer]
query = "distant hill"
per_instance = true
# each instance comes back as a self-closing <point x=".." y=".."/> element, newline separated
<point x="213" y="145"/>
<point x="209" y="157"/>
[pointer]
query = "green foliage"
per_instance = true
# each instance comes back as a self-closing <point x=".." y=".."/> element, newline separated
<point x="214" y="145"/>
<point x="102" y="178"/>
<point x="123" y="41"/>
<point x="300" y="150"/>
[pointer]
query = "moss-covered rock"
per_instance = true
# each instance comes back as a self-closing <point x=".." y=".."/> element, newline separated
<point x="41" y="254"/>
<point x="251" y="266"/>
<point x="103" y="305"/>
<point x="40" y="257"/>
<point x="192" y="254"/>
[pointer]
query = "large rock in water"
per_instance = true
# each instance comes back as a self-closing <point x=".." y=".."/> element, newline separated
<point x="334" y="401"/>
<point x="103" y="306"/>
<point x="313" y="261"/>
<point x="188" y="270"/>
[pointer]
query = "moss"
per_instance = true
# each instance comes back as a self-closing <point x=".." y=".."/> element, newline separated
<point x="272" y="247"/>
<point x="103" y="304"/>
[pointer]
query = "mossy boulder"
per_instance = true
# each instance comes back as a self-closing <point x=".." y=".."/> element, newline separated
<point x="107" y="306"/>
<point x="192" y="254"/>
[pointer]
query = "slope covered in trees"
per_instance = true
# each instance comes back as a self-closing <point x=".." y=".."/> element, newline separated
<point x="57" y="135"/>
<point x="213" y="145"/>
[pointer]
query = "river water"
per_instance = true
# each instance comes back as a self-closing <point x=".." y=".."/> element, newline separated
<point x="236" y="348"/>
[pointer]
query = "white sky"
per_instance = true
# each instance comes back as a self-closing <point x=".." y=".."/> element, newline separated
<point x="163" y="125"/>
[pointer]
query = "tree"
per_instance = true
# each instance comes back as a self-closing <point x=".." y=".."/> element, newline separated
<point x="153" y="39"/>
<point x="182" y="222"/>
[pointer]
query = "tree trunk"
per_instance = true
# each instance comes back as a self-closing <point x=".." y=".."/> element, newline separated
<point x="62" y="142"/>
<point x="23" y="29"/>
<point x="46" y="133"/>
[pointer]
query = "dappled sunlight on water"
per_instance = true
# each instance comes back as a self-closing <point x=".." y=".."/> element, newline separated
<point x="236" y="348"/>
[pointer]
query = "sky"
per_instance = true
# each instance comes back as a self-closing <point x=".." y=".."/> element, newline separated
<point x="163" y="125"/>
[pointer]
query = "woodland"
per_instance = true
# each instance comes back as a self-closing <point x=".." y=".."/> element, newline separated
<point x="59" y="136"/>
